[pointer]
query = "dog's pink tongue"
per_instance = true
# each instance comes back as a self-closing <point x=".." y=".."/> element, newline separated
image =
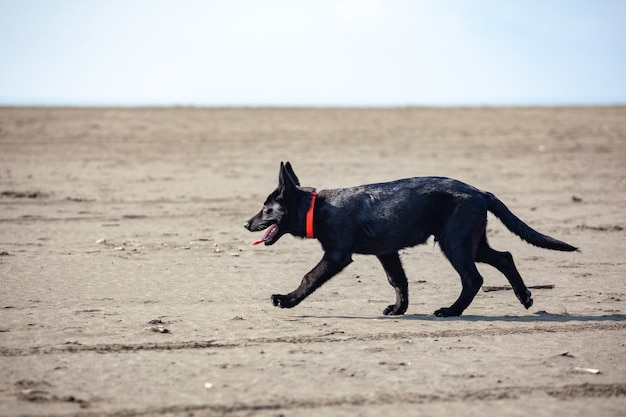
<point x="265" y="236"/>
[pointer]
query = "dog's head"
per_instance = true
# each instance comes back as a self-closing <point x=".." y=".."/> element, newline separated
<point x="274" y="216"/>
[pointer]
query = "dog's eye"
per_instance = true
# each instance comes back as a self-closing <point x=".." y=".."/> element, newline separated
<point x="267" y="210"/>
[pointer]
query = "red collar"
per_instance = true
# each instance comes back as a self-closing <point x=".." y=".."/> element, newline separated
<point x="309" y="217"/>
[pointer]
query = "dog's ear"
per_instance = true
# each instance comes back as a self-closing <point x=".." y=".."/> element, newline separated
<point x="293" y="175"/>
<point x="285" y="178"/>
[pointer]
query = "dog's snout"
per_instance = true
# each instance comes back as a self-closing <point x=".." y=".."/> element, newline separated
<point x="247" y="225"/>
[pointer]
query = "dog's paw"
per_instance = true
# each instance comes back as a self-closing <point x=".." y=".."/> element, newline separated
<point x="392" y="310"/>
<point x="526" y="299"/>
<point x="446" y="312"/>
<point x="282" y="301"/>
<point x="528" y="303"/>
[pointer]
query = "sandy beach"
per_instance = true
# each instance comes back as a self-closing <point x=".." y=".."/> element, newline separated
<point x="129" y="287"/>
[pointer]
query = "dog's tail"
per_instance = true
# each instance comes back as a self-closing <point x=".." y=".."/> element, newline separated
<point x="517" y="226"/>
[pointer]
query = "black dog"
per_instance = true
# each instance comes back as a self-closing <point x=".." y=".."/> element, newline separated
<point x="380" y="219"/>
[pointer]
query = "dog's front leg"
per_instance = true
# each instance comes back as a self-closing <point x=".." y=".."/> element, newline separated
<point x="397" y="278"/>
<point x="329" y="266"/>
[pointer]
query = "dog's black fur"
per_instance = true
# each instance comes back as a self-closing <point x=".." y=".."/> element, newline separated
<point x="380" y="219"/>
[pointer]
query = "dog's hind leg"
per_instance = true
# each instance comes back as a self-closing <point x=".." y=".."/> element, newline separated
<point x="459" y="243"/>
<point x="471" y="281"/>
<point x="503" y="262"/>
<point x="397" y="278"/>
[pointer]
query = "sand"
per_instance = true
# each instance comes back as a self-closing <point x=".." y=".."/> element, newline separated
<point x="129" y="286"/>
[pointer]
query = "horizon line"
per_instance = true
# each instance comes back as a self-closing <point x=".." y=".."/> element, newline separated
<point x="174" y="104"/>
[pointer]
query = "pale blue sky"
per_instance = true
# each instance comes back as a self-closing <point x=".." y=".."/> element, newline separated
<point x="319" y="52"/>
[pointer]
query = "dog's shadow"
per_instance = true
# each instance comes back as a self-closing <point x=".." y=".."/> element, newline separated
<point x="538" y="317"/>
